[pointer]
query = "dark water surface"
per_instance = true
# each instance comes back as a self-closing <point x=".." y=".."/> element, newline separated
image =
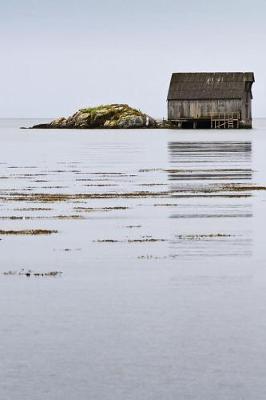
<point x="161" y="243"/>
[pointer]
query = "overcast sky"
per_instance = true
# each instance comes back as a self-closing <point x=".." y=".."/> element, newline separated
<point x="61" y="55"/>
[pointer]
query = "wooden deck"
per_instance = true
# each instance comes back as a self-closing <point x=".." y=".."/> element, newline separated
<point x="229" y="120"/>
<point x="225" y="120"/>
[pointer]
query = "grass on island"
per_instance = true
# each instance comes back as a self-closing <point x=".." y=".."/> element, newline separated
<point x="113" y="108"/>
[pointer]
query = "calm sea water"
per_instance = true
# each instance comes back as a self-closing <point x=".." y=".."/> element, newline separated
<point x="161" y="245"/>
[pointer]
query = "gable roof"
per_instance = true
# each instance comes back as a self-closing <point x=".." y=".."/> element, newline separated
<point x="209" y="85"/>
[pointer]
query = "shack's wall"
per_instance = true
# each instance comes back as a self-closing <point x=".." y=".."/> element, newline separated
<point x="195" y="109"/>
<point x="246" y="108"/>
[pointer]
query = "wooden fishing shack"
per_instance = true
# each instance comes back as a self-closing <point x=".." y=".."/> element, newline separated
<point x="210" y="100"/>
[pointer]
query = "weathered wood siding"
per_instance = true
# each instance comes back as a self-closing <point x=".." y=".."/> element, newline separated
<point x="246" y="108"/>
<point x="195" y="109"/>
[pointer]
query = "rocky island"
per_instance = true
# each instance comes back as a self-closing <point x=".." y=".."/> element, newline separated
<point x="112" y="116"/>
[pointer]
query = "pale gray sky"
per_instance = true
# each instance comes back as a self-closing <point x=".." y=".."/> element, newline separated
<point x="60" y="55"/>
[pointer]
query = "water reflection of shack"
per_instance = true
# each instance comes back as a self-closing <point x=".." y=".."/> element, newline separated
<point x="210" y="100"/>
<point x="213" y="212"/>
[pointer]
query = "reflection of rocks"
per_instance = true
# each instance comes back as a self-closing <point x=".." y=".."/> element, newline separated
<point x="113" y="116"/>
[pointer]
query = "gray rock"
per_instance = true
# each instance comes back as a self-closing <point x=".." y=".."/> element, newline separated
<point x="113" y="116"/>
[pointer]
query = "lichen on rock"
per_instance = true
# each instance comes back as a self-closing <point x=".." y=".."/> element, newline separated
<point x="112" y="116"/>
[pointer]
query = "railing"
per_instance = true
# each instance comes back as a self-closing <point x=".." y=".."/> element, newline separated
<point x="225" y="120"/>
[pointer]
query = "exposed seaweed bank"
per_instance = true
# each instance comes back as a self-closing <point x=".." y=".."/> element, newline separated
<point x="29" y="273"/>
<point x="28" y="232"/>
<point x="110" y="116"/>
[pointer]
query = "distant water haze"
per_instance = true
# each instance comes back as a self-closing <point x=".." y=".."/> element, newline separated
<point x="60" y="56"/>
